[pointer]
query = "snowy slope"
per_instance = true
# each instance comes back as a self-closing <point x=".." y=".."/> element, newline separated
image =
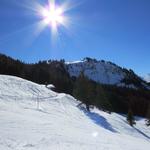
<point x="98" y="71"/>
<point x="102" y="72"/>
<point x="59" y="124"/>
<point x="147" y="77"/>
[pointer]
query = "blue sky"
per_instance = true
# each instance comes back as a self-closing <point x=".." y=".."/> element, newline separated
<point x="113" y="30"/>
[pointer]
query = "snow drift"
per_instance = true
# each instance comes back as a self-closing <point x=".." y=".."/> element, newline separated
<point x="32" y="117"/>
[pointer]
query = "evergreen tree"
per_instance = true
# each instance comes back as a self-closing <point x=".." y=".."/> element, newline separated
<point x="130" y="117"/>
<point x="83" y="90"/>
<point x="90" y="93"/>
<point x="148" y="116"/>
<point x="101" y="100"/>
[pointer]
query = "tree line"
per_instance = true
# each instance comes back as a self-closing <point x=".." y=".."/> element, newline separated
<point x="109" y="98"/>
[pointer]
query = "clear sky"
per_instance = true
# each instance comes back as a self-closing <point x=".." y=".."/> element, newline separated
<point x="113" y="30"/>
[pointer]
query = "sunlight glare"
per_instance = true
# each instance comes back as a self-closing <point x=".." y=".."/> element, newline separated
<point x="53" y="16"/>
<point x="95" y="134"/>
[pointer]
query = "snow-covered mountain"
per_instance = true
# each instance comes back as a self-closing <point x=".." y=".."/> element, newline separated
<point x="105" y="72"/>
<point x="32" y="117"/>
<point x="147" y="77"/>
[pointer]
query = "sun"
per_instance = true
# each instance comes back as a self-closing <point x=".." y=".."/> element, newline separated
<point x="53" y="15"/>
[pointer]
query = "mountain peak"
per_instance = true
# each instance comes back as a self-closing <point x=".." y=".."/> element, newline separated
<point x="106" y="72"/>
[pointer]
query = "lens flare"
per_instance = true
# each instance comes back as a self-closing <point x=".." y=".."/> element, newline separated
<point x="53" y="16"/>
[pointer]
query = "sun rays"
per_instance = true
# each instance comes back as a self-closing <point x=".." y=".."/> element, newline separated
<point x="51" y="18"/>
<point x="53" y="15"/>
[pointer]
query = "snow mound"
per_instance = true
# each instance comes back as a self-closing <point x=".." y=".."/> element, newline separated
<point x="58" y="124"/>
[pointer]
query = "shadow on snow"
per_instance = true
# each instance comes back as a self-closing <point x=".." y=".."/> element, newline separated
<point x="98" y="120"/>
<point x="142" y="133"/>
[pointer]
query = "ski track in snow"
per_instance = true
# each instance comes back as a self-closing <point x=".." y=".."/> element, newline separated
<point x="59" y="124"/>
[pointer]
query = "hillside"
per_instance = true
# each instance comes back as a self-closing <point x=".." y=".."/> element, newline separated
<point x="115" y="89"/>
<point x="60" y="73"/>
<point x="57" y="123"/>
<point x="106" y="73"/>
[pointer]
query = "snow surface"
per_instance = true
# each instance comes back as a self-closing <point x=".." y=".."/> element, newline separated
<point x="102" y="72"/>
<point x="50" y="86"/>
<point x="131" y="86"/>
<point x="147" y="77"/>
<point x="58" y="124"/>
